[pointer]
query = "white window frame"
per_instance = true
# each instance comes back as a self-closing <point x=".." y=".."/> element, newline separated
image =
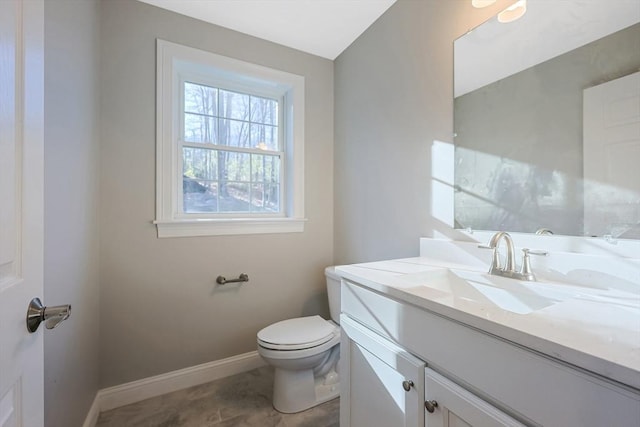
<point x="177" y="63"/>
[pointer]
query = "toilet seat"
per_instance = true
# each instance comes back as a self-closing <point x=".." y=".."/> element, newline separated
<point x="299" y="354"/>
<point x="297" y="334"/>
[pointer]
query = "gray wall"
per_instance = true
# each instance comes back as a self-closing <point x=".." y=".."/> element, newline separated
<point x="160" y="309"/>
<point x="393" y="98"/>
<point x="71" y="216"/>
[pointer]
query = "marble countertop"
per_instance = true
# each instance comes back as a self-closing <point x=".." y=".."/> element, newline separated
<point x="596" y="328"/>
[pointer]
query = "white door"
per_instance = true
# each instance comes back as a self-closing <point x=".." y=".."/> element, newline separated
<point x="21" y="209"/>
<point x="381" y="384"/>
<point x="449" y="405"/>
<point x="611" y="157"/>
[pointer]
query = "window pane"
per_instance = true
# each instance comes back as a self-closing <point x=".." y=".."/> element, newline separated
<point x="264" y="198"/>
<point x="234" y="105"/>
<point x="272" y="197"/>
<point x="265" y="168"/>
<point x="234" y="197"/>
<point x="234" y="133"/>
<point x="199" y="196"/>
<point x="199" y="128"/>
<point x="200" y="163"/>
<point x="264" y="110"/>
<point x="235" y="166"/>
<point x="200" y="99"/>
<point x="257" y="197"/>
<point x="264" y="137"/>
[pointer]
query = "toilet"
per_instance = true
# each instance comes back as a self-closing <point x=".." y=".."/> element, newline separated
<point x="304" y="352"/>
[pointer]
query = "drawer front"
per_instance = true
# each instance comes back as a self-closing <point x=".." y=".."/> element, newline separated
<point x="533" y="388"/>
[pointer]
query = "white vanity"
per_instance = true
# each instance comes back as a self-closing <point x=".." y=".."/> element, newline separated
<point x="436" y="341"/>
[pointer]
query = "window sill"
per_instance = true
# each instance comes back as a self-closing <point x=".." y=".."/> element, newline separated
<point x="228" y="227"/>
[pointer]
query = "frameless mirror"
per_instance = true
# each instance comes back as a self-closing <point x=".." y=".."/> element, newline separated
<point x="547" y="121"/>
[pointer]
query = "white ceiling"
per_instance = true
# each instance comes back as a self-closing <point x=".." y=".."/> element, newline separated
<point x="320" y="27"/>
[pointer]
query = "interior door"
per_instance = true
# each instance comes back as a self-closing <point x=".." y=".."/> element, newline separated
<point x="611" y="156"/>
<point x="21" y="209"/>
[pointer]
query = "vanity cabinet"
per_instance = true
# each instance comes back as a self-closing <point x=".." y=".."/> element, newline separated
<point x="476" y="378"/>
<point x="399" y="391"/>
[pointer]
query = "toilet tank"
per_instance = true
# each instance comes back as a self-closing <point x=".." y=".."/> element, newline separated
<point x="333" y="292"/>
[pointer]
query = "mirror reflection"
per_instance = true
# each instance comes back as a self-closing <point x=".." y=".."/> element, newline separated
<point x="547" y="121"/>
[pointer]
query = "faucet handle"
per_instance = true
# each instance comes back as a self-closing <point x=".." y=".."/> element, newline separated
<point x="526" y="271"/>
<point x="527" y="251"/>
<point x="495" y="259"/>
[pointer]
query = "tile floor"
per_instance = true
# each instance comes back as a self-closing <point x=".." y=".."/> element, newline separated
<point x="242" y="400"/>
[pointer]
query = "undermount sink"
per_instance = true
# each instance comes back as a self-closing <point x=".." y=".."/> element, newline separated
<point x="462" y="287"/>
<point x="512" y="295"/>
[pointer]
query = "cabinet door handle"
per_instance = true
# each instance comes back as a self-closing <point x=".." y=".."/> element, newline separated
<point x="407" y="384"/>
<point x="430" y="406"/>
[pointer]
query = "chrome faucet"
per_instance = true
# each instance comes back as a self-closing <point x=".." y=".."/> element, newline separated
<point x="511" y="257"/>
<point x="509" y="270"/>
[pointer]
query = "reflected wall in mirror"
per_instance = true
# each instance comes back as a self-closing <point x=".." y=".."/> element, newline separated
<point x="547" y="121"/>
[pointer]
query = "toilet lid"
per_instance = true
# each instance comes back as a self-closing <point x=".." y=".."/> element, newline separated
<point x="298" y="333"/>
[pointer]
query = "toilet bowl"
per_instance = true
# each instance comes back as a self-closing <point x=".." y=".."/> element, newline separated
<point x="304" y="352"/>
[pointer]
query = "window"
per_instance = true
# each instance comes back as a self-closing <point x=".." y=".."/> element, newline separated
<point x="229" y="146"/>
<point x="231" y="149"/>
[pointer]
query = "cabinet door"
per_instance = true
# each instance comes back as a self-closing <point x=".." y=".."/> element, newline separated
<point x="453" y="406"/>
<point x="374" y="373"/>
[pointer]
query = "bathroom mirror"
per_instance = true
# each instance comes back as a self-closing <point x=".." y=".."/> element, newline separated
<point x="547" y="121"/>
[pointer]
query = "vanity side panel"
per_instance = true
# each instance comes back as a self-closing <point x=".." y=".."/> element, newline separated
<point x="531" y="387"/>
<point x="378" y="373"/>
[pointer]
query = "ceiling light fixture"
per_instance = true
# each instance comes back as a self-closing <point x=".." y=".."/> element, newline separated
<point x="482" y="3"/>
<point x="513" y="12"/>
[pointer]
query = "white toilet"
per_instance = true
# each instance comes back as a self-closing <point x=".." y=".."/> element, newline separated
<point x="304" y="352"/>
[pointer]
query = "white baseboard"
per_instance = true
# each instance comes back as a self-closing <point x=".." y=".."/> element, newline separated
<point x="135" y="391"/>
<point x="93" y="414"/>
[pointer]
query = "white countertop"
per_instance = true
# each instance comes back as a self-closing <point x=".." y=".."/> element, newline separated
<point x="596" y="328"/>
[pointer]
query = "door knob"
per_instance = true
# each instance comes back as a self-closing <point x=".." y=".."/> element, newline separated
<point x="51" y="316"/>
<point x="407" y="384"/>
